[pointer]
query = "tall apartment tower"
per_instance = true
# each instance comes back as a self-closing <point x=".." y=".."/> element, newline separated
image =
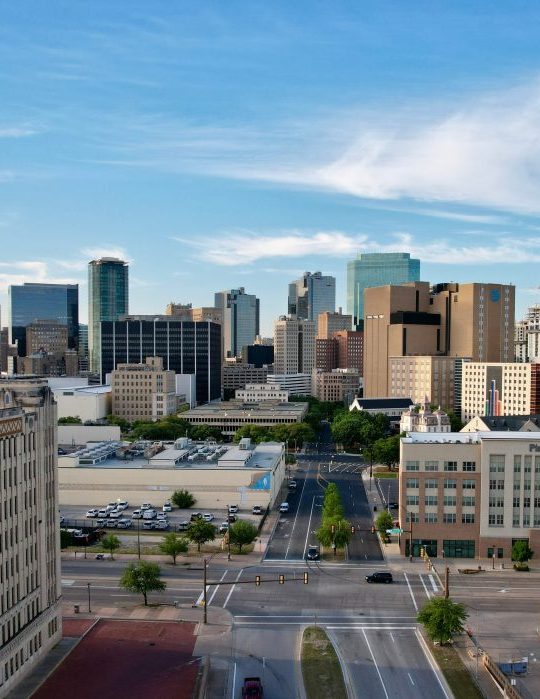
<point x="108" y="299"/>
<point x="240" y="319"/>
<point x="377" y="269"/>
<point x="30" y="586"/>
<point x="294" y="346"/>
<point x="311" y="295"/>
<point x="31" y="302"/>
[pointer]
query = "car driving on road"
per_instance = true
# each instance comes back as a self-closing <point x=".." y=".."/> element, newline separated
<point x="380" y="577"/>
<point x="313" y="553"/>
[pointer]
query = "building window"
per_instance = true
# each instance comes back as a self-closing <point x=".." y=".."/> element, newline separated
<point x="468" y="485"/>
<point x="431" y="501"/>
<point x="412" y="465"/>
<point x="469" y="465"/>
<point x="458" y="548"/>
<point x="430" y="484"/>
<point x="412" y="483"/>
<point x="412" y="500"/>
<point x="430" y="518"/>
<point x="467" y="518"/>
<point x="468" y="501"/>
<point x="412" y="517"/>
<point x="450" y="483"/>
<point x="496" y="463"/>
<point x="431" y="465"/>
<point x="450" y="500"/>
<point x="498" y="520"/>
<point x="449" y="518"/>
<point x="450" y="465"/>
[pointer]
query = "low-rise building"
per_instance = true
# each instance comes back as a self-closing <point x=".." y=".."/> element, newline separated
<point x="89" y="403"/>
<point x="503" y="423"/>
<point x="335" y="385"/>
<point x="44" y="363"/>
<point x="469" y="494"/>
<point x="257" y="392"/>
<point x="421" y="418"/>
<point x="294" y="384"/>
<point x="393" y="408"/>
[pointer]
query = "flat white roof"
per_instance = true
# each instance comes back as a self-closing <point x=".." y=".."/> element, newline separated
<point x="468" y="437"/>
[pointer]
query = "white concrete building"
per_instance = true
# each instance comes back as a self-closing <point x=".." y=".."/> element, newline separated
<point x="30" y="588"/>
<point x="257" y="392"/>
<point x="294" y="384"/>
<point x="89" y="403"/>
<point x="421" y="418"/>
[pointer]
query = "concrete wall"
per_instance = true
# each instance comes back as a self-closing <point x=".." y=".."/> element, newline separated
<point x="81" y="434"/>
<point x="87" y="406"/>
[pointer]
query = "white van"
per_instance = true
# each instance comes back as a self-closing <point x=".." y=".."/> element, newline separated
<point x="284" y="507"/>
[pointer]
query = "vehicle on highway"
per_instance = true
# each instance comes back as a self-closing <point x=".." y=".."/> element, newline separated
<point x="223" y="527"/>
<point x="137" y="514"/>
<point x="252" y="688"/>
<point x="233" y="509"/>
<point x="104" y="512"/>
<point x="208" y="516"/>
<point x="313" y="553"/>
<point x="292" y="485"/>
<point x="284" y="507"/>
<point x="93" y="512"/>
<point x="257" y="510"/>
<point x="167" y="507"/>
<point x="149" y="514"/>
<point x="380" y="577"/>
<point x="124" y="524"/>
<point x="195" y="516"/>
<point x="146" y="506"/>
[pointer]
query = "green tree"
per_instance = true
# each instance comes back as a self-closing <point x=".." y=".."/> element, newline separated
<point x="70" y="420"/>
<point x="456" y="425"/>
<point x="442" y="618"/>
<point x="200" y="532"/>
<point x="203" y="432"/>
<point x="383" y="522"/>
<point x="242" y="533"/>
<point x="183" y="499"/>
<point x="65" y="539"/>
<point x="386" y="451"/>
<point x="142" y="578"/>
<point x="332" y="505"/>
<point x="256" y="433"/>
<point x="124" y="425"/>
<point x="173" y="544"/>
<point x="521" y="551"/>
<point x="110" y="543"/>
<point x="334" y="532"/>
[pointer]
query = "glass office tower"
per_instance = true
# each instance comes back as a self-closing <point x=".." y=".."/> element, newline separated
<point x="311" y="295"/>
<point x="377" y="269"/>
<point x="240" y="319"/>
<point x="30" y="302"/>
<point x="108" y="299"/>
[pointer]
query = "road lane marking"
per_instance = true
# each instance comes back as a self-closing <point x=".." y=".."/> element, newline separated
<point x="297" y="511"/>
<point x="432" y="662"/>
<point x="234" y="681"/>
<point x="217" y="588"/>
<point x="428" y="593"/>
<point x="410" y="591"/>
<point x="232" y="588"/>
<point x="433" y="583"/>
<point x="411" y="679"/>
<point x="309" y="524"/>
<point x="67" y="582"/>
<point x="375" y="663"/>
<point x="392" y="637"/>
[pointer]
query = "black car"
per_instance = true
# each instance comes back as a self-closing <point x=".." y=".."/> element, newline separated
<point x="196" y="516"/>
<point x="393" y="506"/>
<point x="382" y="577"/>
<point x="313" y="553"/>
<point x="232" y="518"/>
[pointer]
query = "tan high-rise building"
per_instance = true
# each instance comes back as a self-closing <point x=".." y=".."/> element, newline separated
<point x="187" y="312"/>
<point x="456" y="320"/>
<point x="329" y="323"/>
<point x="30" y="588"/>
<point x="420" y="377"/>
<point x="335" y="385"/>
<point x="144" y="391"/>
<point x="294" y="346"/>
<point x="343" y="350"/>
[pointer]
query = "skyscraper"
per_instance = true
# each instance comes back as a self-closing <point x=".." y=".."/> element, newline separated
<point x="108" y="299"/>
<point x="294" y="346"/>
<point x="377" y="269"/>
<point x="240" y="319"/>
<point x="311" y="295"/>
<point x="30" y="586"/>
<point x="31" y="302"/>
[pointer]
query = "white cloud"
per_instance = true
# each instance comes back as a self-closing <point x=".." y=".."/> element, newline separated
<point x="233" y="249"/>
<point x="22" y="271"/>
<point x="94" y="253"/>
<point x="17" y="131"/>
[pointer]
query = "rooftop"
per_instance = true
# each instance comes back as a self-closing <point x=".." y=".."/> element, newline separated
<point x="239" y="408"/>
<point x="468" y="437"/>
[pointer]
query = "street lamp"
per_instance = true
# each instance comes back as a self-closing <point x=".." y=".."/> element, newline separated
<point x="228" y="535"/>
<point x="139" y="539"/>
<point x="89" y="606"/>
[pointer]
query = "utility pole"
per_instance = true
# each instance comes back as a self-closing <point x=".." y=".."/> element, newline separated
<point x="89" y="608"/>
<point x="410" y="540"/>
<point x="446" y="582"/>
<point x="139" y="539"/>
<point x="228" y="535"/>
<point x="205" y="616"/>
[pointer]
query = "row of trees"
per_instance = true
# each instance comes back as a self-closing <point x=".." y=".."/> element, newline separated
<point x="298" y="432"/>
<point x="335" y="530"/>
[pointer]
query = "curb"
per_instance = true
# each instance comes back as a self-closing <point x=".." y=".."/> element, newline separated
<point x="344" y="671"/>
<point x="434" y="665"/>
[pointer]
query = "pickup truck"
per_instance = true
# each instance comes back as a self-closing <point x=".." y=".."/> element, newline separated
<point x="252" y="688"/>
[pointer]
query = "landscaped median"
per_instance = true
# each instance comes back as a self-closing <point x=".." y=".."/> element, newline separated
<point x="321" y="669"/>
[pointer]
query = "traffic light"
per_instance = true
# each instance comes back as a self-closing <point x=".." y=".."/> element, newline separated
<point x="306" y="579"/>
<point x="282" y="579"/>
<point x="352" y="529"/>
<point x="257" y="580"/>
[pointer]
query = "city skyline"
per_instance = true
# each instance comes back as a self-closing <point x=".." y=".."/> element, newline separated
<point x="249" y="162"/>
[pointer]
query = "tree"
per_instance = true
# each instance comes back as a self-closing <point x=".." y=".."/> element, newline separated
<point x="332" y="506"/>
<point x="442" y="618"/>
<point x="386" y="451"/>
<point x="65" y="539"/>
<point x="110" y="543"/>
<point x="242" y="533"/>
<point x="521" y="551"/>
<point x="202" y="432"/>
<point x="173" y="544"/>
<point x="384" y="521"/>
<point x="256" y="433"/>
<point x="334" y="532"/>
<point x="70" y="420"/>
<point x="456" y="425"/>
<point x="200" y="532"/>
<point x="142" y="578"/>
<point x="124" y="425"/>
<point x="183" y="499"/>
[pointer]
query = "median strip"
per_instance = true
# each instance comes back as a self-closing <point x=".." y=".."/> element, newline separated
<point x="321" y="670"/>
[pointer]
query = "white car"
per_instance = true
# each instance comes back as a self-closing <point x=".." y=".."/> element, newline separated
<point x="257" y="510"/>
<point x="110" y="506"/>
<point x="208" y="516"/>
<point x="124" y="524"/>
<point x="223" y="527"/>
<point x="161" y="524"/>
<point x="167" y="507"/>
<point x="149" y="514"/>
<point x="146" y="506"/>
<point x="104" y="512"/>
<point x="122" y="505"/>
<point x="284" y="507"/>
<point x="137" y="514"/>
<point x="162" y="516"/>
<point x="233" y="509"/>
<point x="115" y="514"/>
<point x="93" y="512"/>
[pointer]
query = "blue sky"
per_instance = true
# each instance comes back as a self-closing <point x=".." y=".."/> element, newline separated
<point x="217" y="145"/>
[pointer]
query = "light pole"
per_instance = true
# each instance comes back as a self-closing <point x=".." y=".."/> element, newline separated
<point x="139" y="539"/>
<point x="228" y="535"/>
<point x="205" y="615"/>
<point x="89" y="606"/>
<point x="388" y="498"/>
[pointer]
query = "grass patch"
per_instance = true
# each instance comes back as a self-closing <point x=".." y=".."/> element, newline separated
<point x="320" y="666"/>
<point x="456" y="674"/>
<point x="385" y="474"/>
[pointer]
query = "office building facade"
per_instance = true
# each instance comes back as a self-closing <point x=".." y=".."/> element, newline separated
<point x="294" y="346"/>
<point x="329" y="323"/>
<point x="30" y="586"/>
<point x="377" y="269"/>
<point x="33" y="302"/>
<point x="337" y="385"/>
<point x="185" y="347"/>
<point x="108" y="299"/>
<point x="258" y="355"/>
<point x="311" y="295"/>
<point x="240" y="313"/>
<point x="46" y="336"/>
<point x="420" y="377"/>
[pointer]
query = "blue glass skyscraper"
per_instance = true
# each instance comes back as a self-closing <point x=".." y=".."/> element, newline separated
<point x="377" y="269"/>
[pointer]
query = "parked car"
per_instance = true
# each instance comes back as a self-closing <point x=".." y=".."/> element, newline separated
<point x="112" y="523"/>
<point x="93" y="512"/>
<point x="208" y="516"/>
<point x="122" y="505"/>
<point x="182" y="526"/>
<point x="146" y="506"/>
<point x="257" y="510"/>
<point x="149" y="514"/>
<point x="167" y="507"/>
<point x="195" y="516"/>
<point x="137" y="514"/>
<point x="233" y="509"/>
<point x="223" y="527"/>
<point x="124" y="524"/>
<point x="148" y="525"/>
<point x="284" y="507"/>
<point x="313" y="553"/>
<point x="161" y="524"/>
<point x="111" y="506"/>
<point x="104" y="512"/>
<point x="162" y="515"/>
<point x="101" y="522"/>
<point x="380" y="577"/>
<point x="232" y="518"/>
<point x="115" y="514"/>
<point x="292" y="485"/>
<point x="393" y="506"/>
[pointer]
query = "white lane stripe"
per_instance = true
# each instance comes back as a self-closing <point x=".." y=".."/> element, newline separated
<point x="376" y="619"/>
<point x="428" y="593"/>
<point x="232" y="588"/>
<point x="297" y="511"/>
<point x="216" y="588"/>
<point x="68" y="582"/>
<point x="201" y="597"/>
<point x="375" y="663"/>
<point x="234" y="681"/>
<point x="433" y="583"/>
<point x="410" y="591"/>
<point x="411" y="679"/>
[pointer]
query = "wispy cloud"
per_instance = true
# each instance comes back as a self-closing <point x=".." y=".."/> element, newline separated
<point x="20" y="131"/>
<point x="94" y="253"/>
<point x="22" y="271"/>
<point x="233" y="248"/>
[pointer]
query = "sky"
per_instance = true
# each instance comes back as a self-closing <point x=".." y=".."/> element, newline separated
<point x="216" y="145"/>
